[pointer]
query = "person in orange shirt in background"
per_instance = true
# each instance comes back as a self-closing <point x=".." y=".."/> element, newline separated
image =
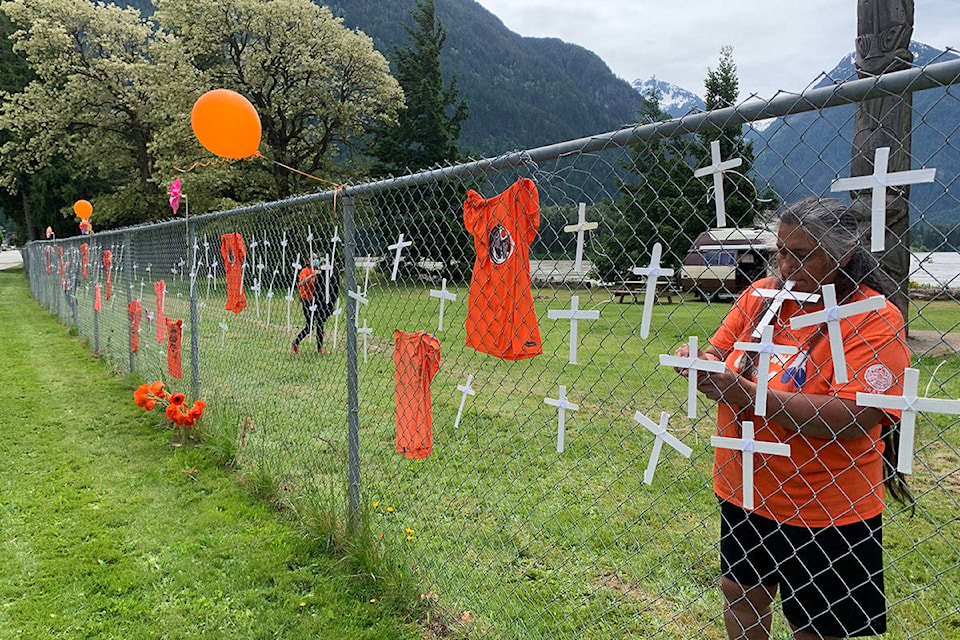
<point x="816" y="531"/>
<point x="313" y="298"/>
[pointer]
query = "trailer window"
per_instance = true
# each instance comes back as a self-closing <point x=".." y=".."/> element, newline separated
<point x="719" y="258"/>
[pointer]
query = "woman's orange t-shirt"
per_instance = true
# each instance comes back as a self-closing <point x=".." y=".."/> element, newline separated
<point x="824" y="482"/>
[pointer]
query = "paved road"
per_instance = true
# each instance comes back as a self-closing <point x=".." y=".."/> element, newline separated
<point x="10" y="259"/>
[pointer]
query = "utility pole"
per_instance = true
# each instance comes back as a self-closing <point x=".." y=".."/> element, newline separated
<point x="884" y="29"/>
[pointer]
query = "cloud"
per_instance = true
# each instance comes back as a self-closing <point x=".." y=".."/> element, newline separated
<point x="778" y="44"/>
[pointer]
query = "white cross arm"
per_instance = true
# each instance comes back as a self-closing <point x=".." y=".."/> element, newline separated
<point x="713" y="366"/>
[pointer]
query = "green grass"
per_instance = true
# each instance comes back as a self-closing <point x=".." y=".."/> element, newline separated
<point x="507" y="534"/>
<point x="108" y="532"/>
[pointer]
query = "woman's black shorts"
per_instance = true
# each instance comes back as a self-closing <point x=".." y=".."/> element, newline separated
<point x="830" y="578"/>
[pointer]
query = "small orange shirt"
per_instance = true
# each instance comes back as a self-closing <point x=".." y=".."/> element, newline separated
<point x="824" y="482"/>
<point x="501" y="319"/>
<point x="417" y="358"/>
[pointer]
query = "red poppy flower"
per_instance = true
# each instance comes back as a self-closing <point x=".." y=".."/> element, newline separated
<point x="177" y="398"/>
<point x="156" y="388"/>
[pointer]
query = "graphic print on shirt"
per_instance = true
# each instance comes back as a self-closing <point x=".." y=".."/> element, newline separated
<point x="797" y="371"/>
<point x="501" y="244"/>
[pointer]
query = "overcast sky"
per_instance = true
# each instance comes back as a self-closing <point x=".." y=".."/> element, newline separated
<point x="778" y="44"/>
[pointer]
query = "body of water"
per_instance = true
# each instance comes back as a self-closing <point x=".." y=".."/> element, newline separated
<point x="936" y="269"/>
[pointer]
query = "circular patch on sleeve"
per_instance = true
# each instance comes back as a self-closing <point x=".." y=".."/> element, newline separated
<point x="879" y="377"/>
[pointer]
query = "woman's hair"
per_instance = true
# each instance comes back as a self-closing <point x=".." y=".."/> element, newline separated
<point x="834" y="226"/>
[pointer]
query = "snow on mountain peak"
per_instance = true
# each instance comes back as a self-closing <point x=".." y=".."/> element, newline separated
<point x="674" y="100"/>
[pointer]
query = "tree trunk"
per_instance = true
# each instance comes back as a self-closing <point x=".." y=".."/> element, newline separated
<point x="27" y="213"/>
<point x="884" y="29"/>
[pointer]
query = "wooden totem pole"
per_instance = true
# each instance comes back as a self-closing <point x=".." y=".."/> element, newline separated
<point x="884" y="29"/>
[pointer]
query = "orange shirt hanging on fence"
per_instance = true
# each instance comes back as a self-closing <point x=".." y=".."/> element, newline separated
<point x="63" y="275"/>
<point x="417" y="359"/>
<point x="84" y="256"/>
<point x="812" y="487"/>
<point x="501" y="319"/>
<point x="159" y="324"/>
<point x="174" y="333"/>
<point x="234" y="253"/>
<point x="107" y="265"/>
<point x="47" y="254"/>
<point x="135" y="311"/>
<point x="97" y="305"/>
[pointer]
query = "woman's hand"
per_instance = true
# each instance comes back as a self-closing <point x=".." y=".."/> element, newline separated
<point x="728" y="387"/>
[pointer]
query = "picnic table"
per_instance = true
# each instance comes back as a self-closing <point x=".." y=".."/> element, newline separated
<point x="636" y="289"/>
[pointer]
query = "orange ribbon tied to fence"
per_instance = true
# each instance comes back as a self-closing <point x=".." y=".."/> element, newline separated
<point x="136" y="312"/>
<point x="107" y="266"/>
<point x="159" y="288"/>
<point x="174" y="333"/>
<point x="234" y="253"/>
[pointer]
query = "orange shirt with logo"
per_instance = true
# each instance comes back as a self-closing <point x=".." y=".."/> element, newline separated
<point x="501" y="319"/>
<point x="824" y="482"/>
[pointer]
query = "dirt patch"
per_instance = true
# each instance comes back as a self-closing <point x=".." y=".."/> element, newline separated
<point x="933" y="343"/>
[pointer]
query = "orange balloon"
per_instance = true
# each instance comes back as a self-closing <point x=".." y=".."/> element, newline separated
<point x="226" y="124"/>
<point x="83" y="209"/>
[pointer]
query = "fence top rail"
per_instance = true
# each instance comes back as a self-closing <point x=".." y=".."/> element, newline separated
<point x="784" y="103"/>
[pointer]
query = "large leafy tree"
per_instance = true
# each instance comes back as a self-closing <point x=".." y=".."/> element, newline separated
<point x="317" y="86"/>
<point x="89" y="106"/>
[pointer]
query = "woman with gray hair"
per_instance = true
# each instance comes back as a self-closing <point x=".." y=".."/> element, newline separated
<point x="814" y="533"/>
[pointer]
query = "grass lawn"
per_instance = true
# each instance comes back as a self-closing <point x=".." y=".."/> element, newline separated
<point x="501" y="531"/>
<point x="108" y="532"/>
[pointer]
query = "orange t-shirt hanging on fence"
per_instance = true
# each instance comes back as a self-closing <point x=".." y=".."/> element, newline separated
<point x="47" y="253"/>
<point x="135" y="311"/>
<point x="107" y="265"/>
<point x="158" y="289"/>
<point x="84" y="256"/>
<point x="96" y="301"/>
<point x="417" y="358"/>
<point x="501" y="319"/>
<point x="174" y="332"/>
<point x="234" y="253"/>
<point x="63" y="275"/>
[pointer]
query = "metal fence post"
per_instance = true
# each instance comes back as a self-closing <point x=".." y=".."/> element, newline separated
<point x="128" y="269"/>
<point x="353" y="409"/>
<point x="194" y="328"/>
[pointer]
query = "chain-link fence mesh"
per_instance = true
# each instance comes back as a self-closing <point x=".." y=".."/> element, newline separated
<point x="525" y="513"/>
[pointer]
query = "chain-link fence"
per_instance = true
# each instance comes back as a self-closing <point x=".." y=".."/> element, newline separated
<point x="522" y="510"/>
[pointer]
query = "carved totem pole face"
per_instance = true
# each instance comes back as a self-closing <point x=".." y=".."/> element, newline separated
<point x="885" y="28"/>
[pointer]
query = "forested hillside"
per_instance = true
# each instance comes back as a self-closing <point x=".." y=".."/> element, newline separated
<point x="522" y="92"/>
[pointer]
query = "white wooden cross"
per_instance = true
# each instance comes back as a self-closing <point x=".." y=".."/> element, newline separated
<point x="368" y="266"/>
<point x="652" y="273"/>
<point x="223" y="334"/>
<point x="336" y="325"/>
<point x="289" y="297"/>
<point x="579" y="228"/>
<point x="360" y="298"/>
<point x="334" y="240"/>
<point x="562" y="405"/>
<point x="327" y="274"/>
<point x="465" y="390"/>
<point x="908" y="404"/>
<point x="831" y="314"/>
<point x="778" y="296"/>
<point x="749" y="446"/>
<point x="310" y="242"/>
<point x="692" y="364"/>
<point x="574" y="315"/>
<point x="766" y="348"/>
<point x="878" y="181"/>
<point x="444" y="295"/>
<point x="397" y="248"/>
<point x="365" y="330"/>
<point x="717" y="168"/>
<point x="662" y="435"/>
